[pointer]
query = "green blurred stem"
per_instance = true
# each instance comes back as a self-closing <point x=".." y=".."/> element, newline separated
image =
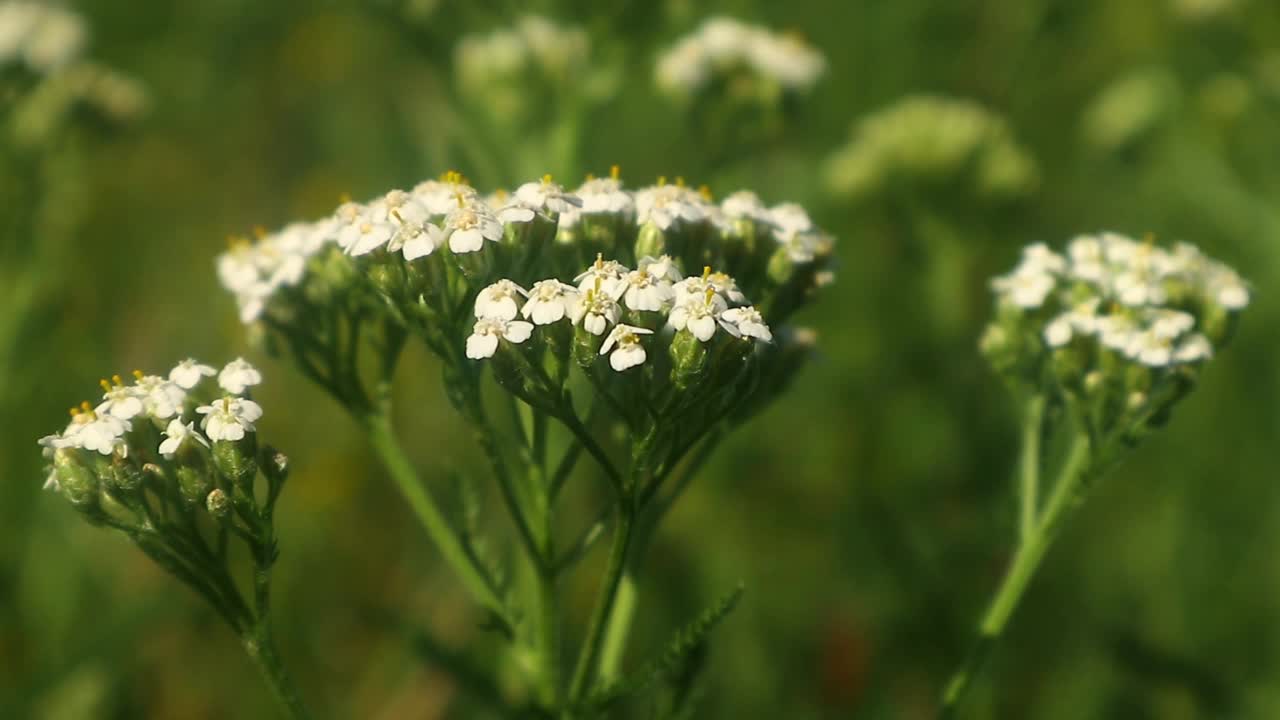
<point x="1029" y="472"/>
<point x="619" y="629"/>
<point x="1067" y="492"/>
<point x="584" y="672"/>
<point x="378" y="426"/>
<point x="260" y="645"/>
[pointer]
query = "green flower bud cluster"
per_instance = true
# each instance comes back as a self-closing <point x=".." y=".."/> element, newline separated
<point x="926" y="139"/>
<point x="1117" y="328"/>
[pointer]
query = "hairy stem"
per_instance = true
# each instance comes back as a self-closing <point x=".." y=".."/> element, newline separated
<point x="1066" y="495"/>
<point x="260" y="646"/>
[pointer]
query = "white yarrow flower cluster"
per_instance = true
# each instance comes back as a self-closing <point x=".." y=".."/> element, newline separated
<point x="723" y="45"/>
<point x="1134" y="298"/>
<point x="43" y="37"/>
<point x="161" y="401"/>
<point x="654" y="293"/>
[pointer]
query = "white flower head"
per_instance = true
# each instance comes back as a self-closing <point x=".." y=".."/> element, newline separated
<point x="596" y="308"/>
<point x="229" y="418"/>
<point x="483" y="341"/>
<point x="500" y="301"/>
<point x="546" y="197"/>
<point x="698" y="313"/>
<point x="161" y="398"/>
<point x="440" y="197"/>
<point x="238" y="375"/>
<point x="605" y="195"/>
<point x="745" y="322"/>
<point x="791" y="218"/>
<point x="188" y="373"/>
<point x="746" y="205"/>
<point x="549" y="301"/>
<point x="119" y="400"/>
<point x="416" y="240"/>
<point x="624" y="341"/>
<point x="669" y="205"/>
<point x="178" y="432"/>
<point x="469" y="224"/>
<point x="603" y="273"/>
<point x="662" y="267"/>
<point x="1025" y="289"/>
<point x="645" y="291"/>
<point x="1195" y="348"/>
<point x="715" y="282"/>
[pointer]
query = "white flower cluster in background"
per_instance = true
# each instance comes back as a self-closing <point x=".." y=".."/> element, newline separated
<point x="533" y="43"/>
<point x="722" y="46"/>
<point x="40" y="36"/>
<point x="115" y="426"/>
<point x="1132" y="299"/>
<point x="932" y="139"/>
<point x="448" y="215"/>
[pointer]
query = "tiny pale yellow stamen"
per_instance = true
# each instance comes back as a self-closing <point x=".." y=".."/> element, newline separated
<point x="137" y="375"/>
<point x="615" y="172"/>
<point x="259" y="232"/>
<point x="85" y="407"/>
<point x="679" y="181"/>
<point x="546" y="179"/>
<point x="706" y="271"/>
<point x="344" y="198"/>
<point x="662" y="181"/>
<point x="117" y="380"/>
<point x="106" y="386"/>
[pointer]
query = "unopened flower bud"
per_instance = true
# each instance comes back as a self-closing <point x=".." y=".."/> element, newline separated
<point x="586" y="347"/>
<point x="218" y="504"/>
<point x="651" y="242"/>
<point x="234" y="459"/>
<point x="193" y="484"/>
<point x="274" y="464"/>
<point x="781" y="267"/>
<point x="688" y="359"/>
<point x="77" y="482"/>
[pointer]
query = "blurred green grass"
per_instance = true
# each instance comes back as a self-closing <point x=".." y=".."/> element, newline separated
<point x="868" y="514"/>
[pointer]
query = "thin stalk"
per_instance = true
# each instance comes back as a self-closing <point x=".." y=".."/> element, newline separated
<point x="1029" y="470"/>
<point x="381" y="436"/>
<point x="1066" y="494"/>
<point x="584" y="672"/>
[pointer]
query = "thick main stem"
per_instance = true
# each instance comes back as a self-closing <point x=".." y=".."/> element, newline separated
<point x="1066" y="493"/>
<point x="1029" y="468"/>
<point x="382" y="437"/>
<point x="584" y="672"/>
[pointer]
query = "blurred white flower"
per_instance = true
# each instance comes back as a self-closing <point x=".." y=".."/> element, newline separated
<point x="176" y="433"/>
<point x="238" y="375"/>
<point x="229" y="418"/>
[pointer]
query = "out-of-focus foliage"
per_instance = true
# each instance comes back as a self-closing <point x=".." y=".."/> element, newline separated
<point x="867" y="516"/>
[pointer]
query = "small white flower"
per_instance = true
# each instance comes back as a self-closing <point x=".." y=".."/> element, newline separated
<point x="229" y="418"/>
<point x="1171" y="324"/>
<point x="546" y="196"/>
<point x="92" y="431"/>
<point x="1025" y="289"/>
<point x="1117" y="331"/>
<point x="119" y="401"/>
<point x="188" y="373"/>
<point x="715" y="282"/>
<point x="667" y="205"/>
<point x="791" y="218"/>
<point x="698" y="313"/>
<point x="596" y="309"/>
<point x="1079" y="320"/>
<point x="629" y="352"/>
<point x="1196" y="348"/>
<point x="1150" y="348"/>
<point x="161" y="398"/>
<point x="602" y="273"/>
<point x="483" y="341"/>
<point x="801" y="247"/>
<point x="1058" y="332"/>
<point x="605" y="195"/>
<point x="1227" y="289"/>
<point x="644" y="291"/>
<point x="1038" y="258"/>
<point x="1088" y="259"/>
<point x="176" y="433"/>
<point x="440" y="197"/>
<point x="662" y="267"/>
<point x="416" y="240"/>
<point x="238" y="375"/>
<point x="745" y="321"/>
<point x="549" y="301"/>
<point x="500" y="301"/>
<point x="470" y="224"/>
<point x="746" y="205"/>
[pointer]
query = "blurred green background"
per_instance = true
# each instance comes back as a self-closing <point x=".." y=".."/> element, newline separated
<point x="869" y="514"/>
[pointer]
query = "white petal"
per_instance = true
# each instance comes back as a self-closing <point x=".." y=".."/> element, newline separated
<point x="627" y="357"/>
<point x="465" y="241"/>
<point x="518" y="331"/>
<point x="481" y="346"/>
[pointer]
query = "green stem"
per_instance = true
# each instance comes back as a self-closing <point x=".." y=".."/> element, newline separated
<point x="260" y="645"/>
<point x="619" y="629"/>
<point x="548" y="639"/>
<point x="1029" y="471"/>
<point x="1067" y="492"/>
<point x="381" y="436"/>
<point x="584" y="671"/>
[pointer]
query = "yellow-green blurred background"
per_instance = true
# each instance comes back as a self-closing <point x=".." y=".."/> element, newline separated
<point x="868" y="514"/>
